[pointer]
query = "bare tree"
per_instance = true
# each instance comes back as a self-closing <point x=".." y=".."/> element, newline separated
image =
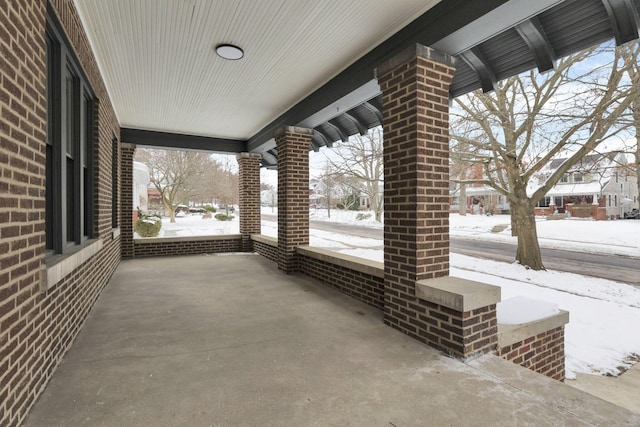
<point x="225" y="183"/>
<point x="328" y="182"/>
<point x="360" y="158"/>
<point x="462" y="167"/>
<point x="347" y="190"/>
<point x="173" y="173"/>
<point x="630" y="54"/>
<point x="529" y="119"/>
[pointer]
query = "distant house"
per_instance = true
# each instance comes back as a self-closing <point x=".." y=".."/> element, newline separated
<point x="603" y="180"/>
<point x="601" y="186"/>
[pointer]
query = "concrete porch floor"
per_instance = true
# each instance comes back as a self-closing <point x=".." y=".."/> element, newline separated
<point x="231" y="341"/>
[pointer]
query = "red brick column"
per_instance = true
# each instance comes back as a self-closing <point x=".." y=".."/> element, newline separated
<point x="293" y="194"/>
<point x="126" y="200"/>
<point x="249" y="177"/>
<point x="415" y="89"/>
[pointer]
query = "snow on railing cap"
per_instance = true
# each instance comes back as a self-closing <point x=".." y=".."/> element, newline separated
<point x="519" y="310"/>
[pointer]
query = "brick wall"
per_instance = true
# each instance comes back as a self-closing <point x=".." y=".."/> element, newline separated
<point x="249" y="188"/>
<point x="542" y="353"/>
<point x="459" y="334"/>
<point x="187" y="246"/>
<point x="37" y="327"/>
<point x="127" y="154"/>
<point x="362" y="286"/>
<point x="293" y="193"/>
<point x="267" y="247"/>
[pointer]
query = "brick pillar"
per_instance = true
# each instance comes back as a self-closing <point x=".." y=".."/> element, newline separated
<point x="126" y="200"/>
<point x="249" y="171"/>
<point x="293" y="194"/>
<point x="415" y="89"/>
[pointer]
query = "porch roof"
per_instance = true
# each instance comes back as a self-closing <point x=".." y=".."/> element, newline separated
<point x="310" y="63"/>
<point x="230" y="340"/>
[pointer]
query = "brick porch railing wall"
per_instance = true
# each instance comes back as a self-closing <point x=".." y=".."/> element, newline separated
<point x="266" y="246"/>
<point x="197" y="245"/>
<point x="537" y="344"/>
<point x="358" y="278"/>
<point x="293" y="194"/>
<point x="542" y="353"/>
<point x="249" y="189"/>
<point x="43" y="302"/>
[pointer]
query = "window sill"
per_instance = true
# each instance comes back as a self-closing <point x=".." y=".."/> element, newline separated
<point x="60" y="266"/>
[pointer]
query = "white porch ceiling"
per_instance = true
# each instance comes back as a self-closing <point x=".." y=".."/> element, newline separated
<point x="158" y="61"/>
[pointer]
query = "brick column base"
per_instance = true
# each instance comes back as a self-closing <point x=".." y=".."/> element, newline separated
<point x="293" y="194"/>
<point x="249" y="183"/>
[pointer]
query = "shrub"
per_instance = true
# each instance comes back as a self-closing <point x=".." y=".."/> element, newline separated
<point x="363" y="216"/>
<point x="223" y="217"/>
<point x="148" y="226"/>
<point x="209" y="208"/>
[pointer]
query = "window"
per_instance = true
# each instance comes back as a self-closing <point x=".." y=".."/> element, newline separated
<point x="565" y="178"/>
<point x="69" y="189"/>
<point x="544" y="202"/>
<point x="577" y="177"/>
<point x="558" y="201"/>
<point x="609" y="204"/>
<point x="114" y="181"/>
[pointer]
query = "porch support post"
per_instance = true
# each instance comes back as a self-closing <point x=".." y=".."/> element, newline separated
<point x="293" y="193"/>
<point x="415" y="89"/>
<point x="249" y="203"/>
<point x="128" y="151"/>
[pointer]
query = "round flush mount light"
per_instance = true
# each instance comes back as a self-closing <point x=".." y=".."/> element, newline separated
<point x="229" y="51"/>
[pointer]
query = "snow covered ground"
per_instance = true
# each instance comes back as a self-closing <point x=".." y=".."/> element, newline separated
<point x="604" y="332"/>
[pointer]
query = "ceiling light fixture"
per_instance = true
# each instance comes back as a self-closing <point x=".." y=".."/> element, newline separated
<point x="229" y="51"/>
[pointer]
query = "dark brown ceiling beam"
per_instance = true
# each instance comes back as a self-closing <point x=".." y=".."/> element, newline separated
<point x="624" y="20"/>
<point x="534" y="36"/>
<point x="474" y="58"/>
<point x="362" y="129"/>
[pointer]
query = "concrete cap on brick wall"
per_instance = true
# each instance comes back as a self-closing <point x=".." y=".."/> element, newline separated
<point x="458" y="294"/>
<point x="509" y="334"/>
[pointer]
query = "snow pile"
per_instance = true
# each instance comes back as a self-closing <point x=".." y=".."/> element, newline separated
<point x="519" y="310"/>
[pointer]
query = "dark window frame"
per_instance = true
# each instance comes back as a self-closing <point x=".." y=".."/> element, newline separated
<point x="114" y="181"/>
<point x="71" y="105"/>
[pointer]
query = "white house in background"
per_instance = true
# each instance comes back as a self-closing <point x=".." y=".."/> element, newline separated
<point x="141" y="181"/>
<point x="604" y="179"/>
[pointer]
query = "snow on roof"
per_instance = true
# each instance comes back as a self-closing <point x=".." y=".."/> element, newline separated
<point x="577" y="189"/>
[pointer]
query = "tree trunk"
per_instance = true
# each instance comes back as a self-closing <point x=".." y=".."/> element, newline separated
<point x="462" y="200"/>
<point x="636" y="123"/>
<point x="528" y="252"/>
<point x="169" y="207"/>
